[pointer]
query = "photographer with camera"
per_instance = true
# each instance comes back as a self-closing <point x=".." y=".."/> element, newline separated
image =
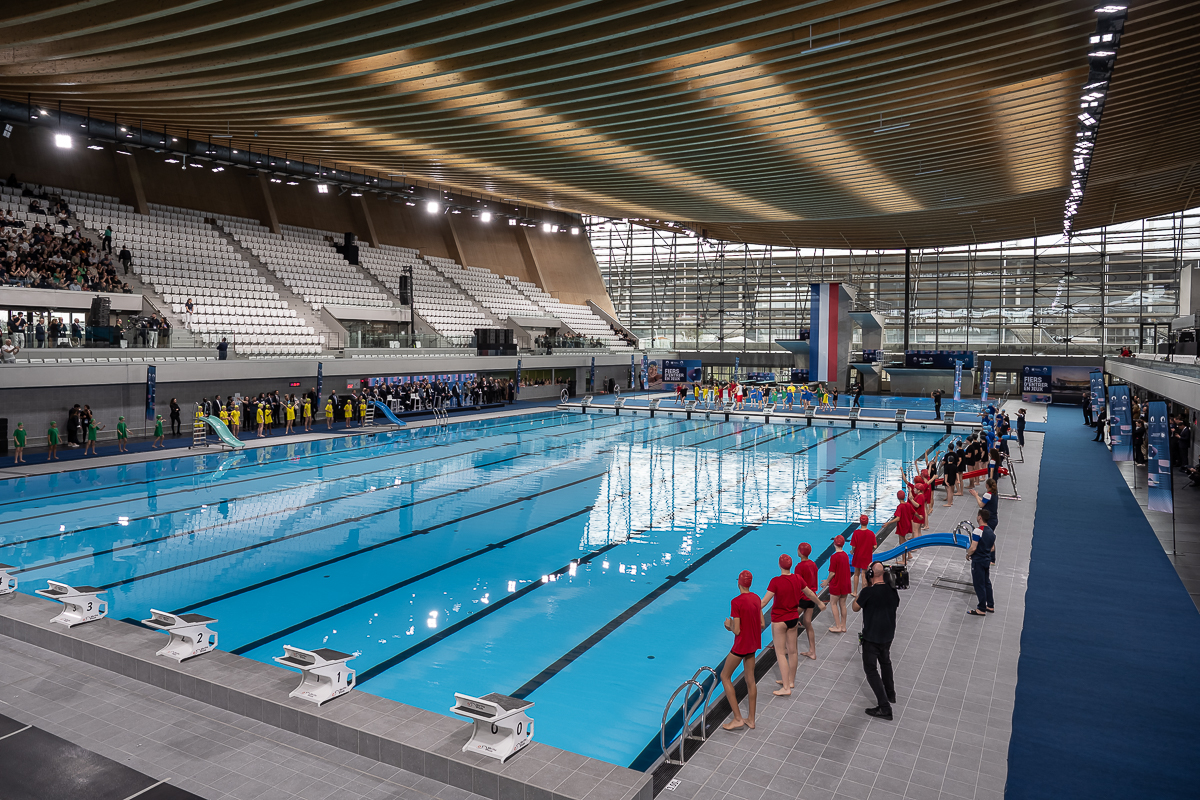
<point x="878" y="602"/>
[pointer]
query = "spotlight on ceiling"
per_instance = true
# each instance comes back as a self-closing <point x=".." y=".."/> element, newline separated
<point x="356" y="194"/>
<point x="512" y="220"/>
<point x="62" y="140"/>
<point x="485" y="216"/>
<point x="547" y="227"/>
<point x="323" y="188"/>
<point x="574" y="230"/>
<point x="293" y="183"/>
<point x="432" y="206"/>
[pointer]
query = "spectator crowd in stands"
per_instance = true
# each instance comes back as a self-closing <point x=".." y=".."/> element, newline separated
<point x="42" y="257"/>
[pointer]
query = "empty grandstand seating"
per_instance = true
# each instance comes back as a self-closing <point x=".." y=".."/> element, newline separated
<point x="580" y="319"/>
<point x="180" y="255"/>
<point x="439" y="303"/>
<point x="488" y="288"/>
<point x="308" y="265"/>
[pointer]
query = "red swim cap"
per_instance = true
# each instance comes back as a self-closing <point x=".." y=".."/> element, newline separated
<point x="900" y="495"/>
<point x="745" y="579"/>
<point x="785" y="561"/>
<point x="839" y="540"/>
<point x="804" y="549"/>
<point x="863" y="519"/>
<point x="925" y="473"/>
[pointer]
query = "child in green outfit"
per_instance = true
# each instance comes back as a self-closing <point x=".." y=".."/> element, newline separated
<point x="19" y="438"/>
<point x="52" y="438"/>
<point x="122" y="436"/>
<point x="158" y="434"/>
<point x="92" y="430"/>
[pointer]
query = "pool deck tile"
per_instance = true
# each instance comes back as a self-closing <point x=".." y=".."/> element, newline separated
<point x="355" y="728"/>
<point x="955" y="679"/>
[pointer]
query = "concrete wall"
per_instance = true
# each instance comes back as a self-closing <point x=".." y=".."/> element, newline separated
<point x="36" y="394"/>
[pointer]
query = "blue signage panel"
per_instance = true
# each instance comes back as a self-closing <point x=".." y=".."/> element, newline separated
<point x="1097" y="387"/>
<point x="1120" y="433"/>
<point x="517" y="388"/>
<point x="151" y="381"/>
<point x="958" y="380"/>
<point x="1158" y="459"/>
<point x="987" y="378"/>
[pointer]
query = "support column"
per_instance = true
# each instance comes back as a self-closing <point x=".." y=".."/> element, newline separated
<point x="370" y="223"/>
<point x="272" y="218"/>
<point x="135" y="177"/>
<point x="907" y="293"/>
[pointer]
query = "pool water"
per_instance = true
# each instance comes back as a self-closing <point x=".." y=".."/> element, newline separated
<point x="585" y="562"/>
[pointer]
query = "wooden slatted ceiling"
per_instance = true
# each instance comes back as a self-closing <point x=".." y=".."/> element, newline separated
<point x="748" y="121"/>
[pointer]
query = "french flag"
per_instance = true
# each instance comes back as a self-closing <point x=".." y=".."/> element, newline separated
<point x="823" y="332"/>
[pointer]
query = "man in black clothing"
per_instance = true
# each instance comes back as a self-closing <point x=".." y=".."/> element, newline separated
<point x="981" y="554"/>
<point x="1100" y="420"/>
<point x="1087" y="410"/>
<point x="878" y="602"/>
<point x="937" y="403"/>
<point x="223" y="349"/>
<point x="125" y="257"/>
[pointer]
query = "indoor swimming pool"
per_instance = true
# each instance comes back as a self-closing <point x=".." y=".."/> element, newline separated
<point x="585" y="562"/>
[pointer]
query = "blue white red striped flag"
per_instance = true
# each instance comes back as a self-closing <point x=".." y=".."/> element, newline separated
<point x="823" y="332"/>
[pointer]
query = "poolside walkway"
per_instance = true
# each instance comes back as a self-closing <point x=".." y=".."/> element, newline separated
<point x="955" y="681"/>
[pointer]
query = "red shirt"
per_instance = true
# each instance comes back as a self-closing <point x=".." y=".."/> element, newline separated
<point x="905" y="514"/>
<point x="806" y="571"/>
<point x="786" y="604"/>
<point x="748" y="608"/>
<point x="839" y="572"/>
<point x="863" y="542"/>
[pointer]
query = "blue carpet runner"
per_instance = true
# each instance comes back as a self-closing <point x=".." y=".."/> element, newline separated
<point x="1106" y="699"/>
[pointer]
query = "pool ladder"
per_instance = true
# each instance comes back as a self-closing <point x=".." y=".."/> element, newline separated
<point x="688" y="710"/>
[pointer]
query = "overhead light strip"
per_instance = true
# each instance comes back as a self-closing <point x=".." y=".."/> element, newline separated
<point x="1102" y="55"/>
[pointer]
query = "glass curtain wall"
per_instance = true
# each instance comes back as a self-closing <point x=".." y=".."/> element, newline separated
<point x="1102" y="290"/>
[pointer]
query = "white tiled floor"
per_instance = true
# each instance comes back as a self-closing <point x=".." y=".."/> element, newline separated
<point x="955" y="680"/>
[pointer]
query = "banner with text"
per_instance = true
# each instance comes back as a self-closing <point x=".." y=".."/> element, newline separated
<point x="1158" y="460"/>
<point x="987" y="378"/>
<point x="1097" y="385"/>
<point x="958" y="365"/>
<point x="151" y="386"/>
<point x="1120" y="433"/>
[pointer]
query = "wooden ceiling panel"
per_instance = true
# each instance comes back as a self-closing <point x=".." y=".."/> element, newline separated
<point x="753" y="121"/>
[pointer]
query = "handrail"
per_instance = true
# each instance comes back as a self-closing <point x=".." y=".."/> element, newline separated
<point x="708" y="697"/>
<point x="662" y="731"/>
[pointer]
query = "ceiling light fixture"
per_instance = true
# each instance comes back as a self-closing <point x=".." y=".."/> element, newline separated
<point x="485" y="216"/>
<point x="1102" y="53"/>
<point x="62" y="140"/>
<point x="323" y="188"/>
<point x="432" y="206"/>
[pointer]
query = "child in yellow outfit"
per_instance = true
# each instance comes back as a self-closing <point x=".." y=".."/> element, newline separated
<point x="291" y="418"/>
<point x="349" y="409"/>
<point x="307" y="414"/>
<point x="260" y="418"/>
<point x="235" y="419"/>
<point x="329" y="414"/>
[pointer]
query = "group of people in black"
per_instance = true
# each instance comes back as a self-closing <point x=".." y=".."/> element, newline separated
<point x="439" y="393"/>
<point x="1179" y="435"/>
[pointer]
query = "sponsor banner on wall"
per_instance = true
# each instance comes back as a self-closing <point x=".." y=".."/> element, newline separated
<point x="987" y="379"/>
<point x="1158" y="459"/>
<point x="958" y="365"/>
<point x="1058" y="384"/>
<point x="1097" y="386"/>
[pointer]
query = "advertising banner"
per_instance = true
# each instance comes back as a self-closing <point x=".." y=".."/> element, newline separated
<point x="1158" y="459"/>
<point x="592" y="375"/>
<point x="958" y="380"/>
<point x="737" y="362"/>
<point x="1097" y="387"/>
<point x="1035" y="384"/>
<point x="673" y="372"/>
<point x="938" y="359"/>
<point x="632" y="371"/>
<point x="1121" y="431"/>
<point x="646" y="372"/>
<point x="151" y="381"/>
<point x="799" y="376"/>
<point x="987" y="379"/>
<point x="320" y="383"/>
<point x="517" y="388"/>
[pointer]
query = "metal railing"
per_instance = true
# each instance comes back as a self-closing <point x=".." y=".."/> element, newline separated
<point x="703" y="698"/>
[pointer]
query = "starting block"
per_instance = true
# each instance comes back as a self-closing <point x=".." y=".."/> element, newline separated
<point x="190" y="634"/>
<point x="501" y="726"/>
<point x="82" y="603"/>
<point x="325" y="677"/>
<point x="8" y="583"/>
